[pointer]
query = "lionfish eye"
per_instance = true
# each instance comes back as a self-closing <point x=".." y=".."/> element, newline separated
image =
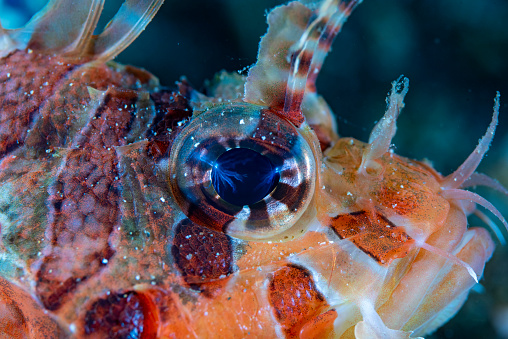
<point x="242" y="176"/>
<point x="244" y="171"/>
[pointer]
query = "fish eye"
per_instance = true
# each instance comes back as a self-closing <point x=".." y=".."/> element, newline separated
<point x="242" y="176"/>
<point x="243" y="170"/>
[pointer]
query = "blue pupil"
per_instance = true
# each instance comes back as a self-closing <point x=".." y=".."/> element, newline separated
<point x="242" y="176"/>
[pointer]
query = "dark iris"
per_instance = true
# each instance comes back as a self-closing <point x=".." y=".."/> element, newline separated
<point x="242" y="176"/>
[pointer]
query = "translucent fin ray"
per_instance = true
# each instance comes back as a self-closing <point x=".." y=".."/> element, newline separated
<point x="337" y="12"/>
<point x="62" y="26"/>
<point x="131" y="19"/>
<point x="66" y="27"/>
<point x="457" y="178"/>
<point x="479" y="179"/>
<point x="267" y="79"/>
<point x="450" y="257"/>
<point x="372" y="326"/>
<point x="458" y="194"/>
<point x="382" y="134"/>
<point x="493" y="226"/>
<point x="7" y="44"/>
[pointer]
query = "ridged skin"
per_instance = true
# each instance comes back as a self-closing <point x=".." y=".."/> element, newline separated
<point x="97" y="240"/>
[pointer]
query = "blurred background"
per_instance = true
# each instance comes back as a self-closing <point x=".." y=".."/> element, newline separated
<point x="454" y="52"/>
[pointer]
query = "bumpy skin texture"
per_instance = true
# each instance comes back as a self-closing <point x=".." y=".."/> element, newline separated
<point x="89" y="220"/>
<point x="63" y="167"/>
<point x="94" y="241"/>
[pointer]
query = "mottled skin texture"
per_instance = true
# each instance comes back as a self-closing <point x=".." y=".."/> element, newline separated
<point x="60" y="162"/>
<point x="93" y="224"/>
<point x="292" y="292"/>
<point x="93" y="231"/>
<point x="82" y="186"/>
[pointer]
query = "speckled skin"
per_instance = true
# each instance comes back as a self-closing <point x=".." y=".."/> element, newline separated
<point x="64" y="125"/>
<point x="90" y="226"/>
<point x="94" y="241"/>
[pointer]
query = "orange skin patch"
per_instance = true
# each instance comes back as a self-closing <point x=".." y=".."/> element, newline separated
<point x="320" y="326"/>
<point x="21" y="316"/>
<point x="260" y="254"/>
<point x="373" y="234"/>
<point x="378" y="211"/>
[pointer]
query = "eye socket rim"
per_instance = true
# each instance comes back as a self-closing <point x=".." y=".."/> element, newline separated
<point x="297" y="172"/>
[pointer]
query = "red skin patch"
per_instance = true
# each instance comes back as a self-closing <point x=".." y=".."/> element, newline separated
<point x="202" y="255"/>
<point x="122" y="315"/>
<point x="84" y="203"/>
<point x="13" y="324"/>
<point x="32" y="83"/>
<point x="43" y="99"/>
<point x="374" y="235"/>
<point x="172" y="108"/>
<point x="295" y="299"/>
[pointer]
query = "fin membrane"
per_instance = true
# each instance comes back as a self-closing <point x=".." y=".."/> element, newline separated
<point x="66" y="27"/>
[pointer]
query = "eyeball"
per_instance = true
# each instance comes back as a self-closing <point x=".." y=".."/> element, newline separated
<point x="242" y="170"/>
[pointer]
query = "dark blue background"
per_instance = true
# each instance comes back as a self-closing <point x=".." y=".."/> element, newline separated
<point x="454" y="52"/>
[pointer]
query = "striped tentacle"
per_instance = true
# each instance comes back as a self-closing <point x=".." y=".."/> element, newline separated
<point x="291" y="54"/>
<point x="308" y="54"/>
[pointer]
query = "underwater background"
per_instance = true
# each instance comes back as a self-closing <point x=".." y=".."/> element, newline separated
<point x="454" y="52"/>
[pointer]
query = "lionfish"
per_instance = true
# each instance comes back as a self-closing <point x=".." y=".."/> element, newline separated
<point x="129" y="209"/>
